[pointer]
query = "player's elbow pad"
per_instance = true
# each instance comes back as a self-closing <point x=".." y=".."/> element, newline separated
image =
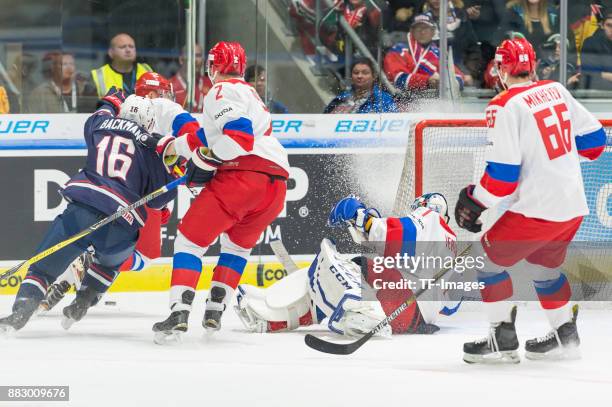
<point x="591" y="145"/>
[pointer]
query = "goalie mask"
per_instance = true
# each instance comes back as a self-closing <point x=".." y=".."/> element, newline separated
<point x="139" y="110"/>
<point x="434" y="201"/>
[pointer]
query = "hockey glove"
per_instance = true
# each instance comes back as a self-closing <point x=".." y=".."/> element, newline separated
<point x="160" y="144"/>
<point x="351" y="211"/>
<point x="468" y="209"/>
<point x="113" y="100"/>
<point x="165" y="215"/>
<point x="202" y="166"/>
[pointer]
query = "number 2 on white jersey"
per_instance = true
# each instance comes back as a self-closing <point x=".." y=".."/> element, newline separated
<point x="118" y="164"/>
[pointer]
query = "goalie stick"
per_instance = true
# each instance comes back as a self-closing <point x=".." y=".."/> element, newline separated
<point x="281" y="253"/>
<point x="125" y="209"/>
<point x="348" y="348"/>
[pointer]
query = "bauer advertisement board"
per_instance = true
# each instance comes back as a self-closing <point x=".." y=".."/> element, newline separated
<point x="31" y="200"/>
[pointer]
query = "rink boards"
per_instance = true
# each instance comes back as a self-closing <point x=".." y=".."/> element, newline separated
<point x="157" y="277"/>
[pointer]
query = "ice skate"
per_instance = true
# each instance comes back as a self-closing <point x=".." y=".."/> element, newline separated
<point x="57" y="291"/>
<point x="558" y="344"/>
<point x="214" y="309"/>
<point x="54" y="295"/>
<point x="171" y="329"/>
<point x="500" y="347"/>
<point x="23" y="309"/>
<point x="78" y="308"/>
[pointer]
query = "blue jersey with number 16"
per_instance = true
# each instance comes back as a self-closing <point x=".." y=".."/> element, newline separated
<point x="119" y="171"/>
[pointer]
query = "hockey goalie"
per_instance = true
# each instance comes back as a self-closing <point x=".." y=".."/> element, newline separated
<point x="330" y="290"/>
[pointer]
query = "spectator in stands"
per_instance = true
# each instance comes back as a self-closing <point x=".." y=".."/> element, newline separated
<point x="487" y="17"/>
<point x="123" y="71"/>
<point x="5" y="105"/>
<point x="597" y="57"/>
<point x="256" y="76"/>
<point x="585" y="17"/>
<point x="461" y="34"/>
<point x="62" y="91"/>
<point x="413" y="66"/>
<point x="302" y="13"/>
<point x="20" y="75"/>
<point x="365" y="95"/>
<point x="202" y="82"/>
<point x="535" y="19"/>
<point x="401" y="12"/>
<point x="364" y="16"/>
<point x="548" y="68"/>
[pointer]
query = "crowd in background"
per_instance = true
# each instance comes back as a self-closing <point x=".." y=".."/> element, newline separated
<point x="402" y="35"/>
<point x="405" y="33"/>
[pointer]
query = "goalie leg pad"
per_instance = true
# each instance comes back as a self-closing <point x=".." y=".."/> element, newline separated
<point x="284" y="306"/>
<point x="334" y="282"/>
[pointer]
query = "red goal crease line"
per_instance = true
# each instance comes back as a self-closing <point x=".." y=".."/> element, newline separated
<point x="419" y="130"/>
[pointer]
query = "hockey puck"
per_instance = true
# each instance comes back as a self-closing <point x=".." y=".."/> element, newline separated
<point x="110" y="303"/>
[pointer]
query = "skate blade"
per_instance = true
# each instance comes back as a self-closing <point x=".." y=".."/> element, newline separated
<point x="168" y="337"/>
<point x="211" y="325"/>
<point x="497" y="358"/>
<point x="560" y="353"/>
<point x="7" y="331"/>
<point x="67" y="323"/>
<point x="42" y="309"/>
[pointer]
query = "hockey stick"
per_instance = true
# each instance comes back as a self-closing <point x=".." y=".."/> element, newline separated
<point x="281" y="253"/>
<point x="348" y="348"/>
<point x="125" y="209"/>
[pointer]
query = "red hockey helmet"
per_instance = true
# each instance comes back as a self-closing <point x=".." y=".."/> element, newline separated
<point x="227" y="58"/>
<point x="152" y="81"/>
<point x="515" y="57"/>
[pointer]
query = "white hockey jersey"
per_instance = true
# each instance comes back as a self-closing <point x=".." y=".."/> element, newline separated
<point x="538" y="133"/>
<point x="421" y="232"/>
<point x="238" y="128"/>
<point x="172" y="119"/>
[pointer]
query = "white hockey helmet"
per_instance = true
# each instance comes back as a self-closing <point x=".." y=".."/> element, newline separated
<point x="434" y="201"/>
<point x="139" y="110"/>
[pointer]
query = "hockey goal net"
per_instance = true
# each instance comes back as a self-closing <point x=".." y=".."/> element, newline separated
<point x="446" y="155"/>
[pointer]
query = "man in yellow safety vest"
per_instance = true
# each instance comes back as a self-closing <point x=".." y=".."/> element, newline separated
<point x="123" y="71"/>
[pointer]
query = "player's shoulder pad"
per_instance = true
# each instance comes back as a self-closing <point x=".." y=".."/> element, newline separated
<point x="420" y="217"/>
<point x="504" y="97"/>
<point x="166" y="104"/>
<point x="120" y="127"/>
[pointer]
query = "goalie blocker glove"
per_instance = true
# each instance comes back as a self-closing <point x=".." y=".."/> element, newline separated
<point x="113" y="99"/>
<point x="351" y="211"/>
<point x="202" y="166"/>
<point x="468" y="210"/>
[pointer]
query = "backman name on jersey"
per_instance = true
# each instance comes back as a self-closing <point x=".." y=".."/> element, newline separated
<point x="121" y="124"/>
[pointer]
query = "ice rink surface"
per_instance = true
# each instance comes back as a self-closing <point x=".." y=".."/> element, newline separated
<point x="109" y="359"/>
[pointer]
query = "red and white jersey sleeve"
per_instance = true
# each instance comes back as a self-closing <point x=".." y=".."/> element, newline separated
<point x="420" y="232"/>
<point x="172" y="119"/>
<point x="237" y="124"/>
<point x="536" y="138"/>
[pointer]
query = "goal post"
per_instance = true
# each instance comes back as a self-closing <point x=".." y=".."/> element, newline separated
<point x="446" y="155"/>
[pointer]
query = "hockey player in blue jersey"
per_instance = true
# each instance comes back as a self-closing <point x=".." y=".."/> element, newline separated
<point x="118" y="171"/>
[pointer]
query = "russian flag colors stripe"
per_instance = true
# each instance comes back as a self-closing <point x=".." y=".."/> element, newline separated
<point x="554" y="293"/>
<point x="500" y="179"/>
<point x="498" y="286"/>
<point x="591" y="145"/>
<point x="186" y="269"/>
<point x="229" y="269"/>
<point x="241" y="131"/>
